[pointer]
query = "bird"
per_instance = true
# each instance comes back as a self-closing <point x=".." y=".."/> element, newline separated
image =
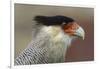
<point x="51" y="38"/>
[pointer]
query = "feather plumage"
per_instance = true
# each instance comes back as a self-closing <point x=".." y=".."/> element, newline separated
<point x="50" y="41"/>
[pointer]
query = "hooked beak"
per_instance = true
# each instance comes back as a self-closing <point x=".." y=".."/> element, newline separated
<point x="80" y="33"/>
<point x="73" y="29"/>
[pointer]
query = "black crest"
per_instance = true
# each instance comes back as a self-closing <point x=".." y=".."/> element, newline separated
<point x="53" y="20"/>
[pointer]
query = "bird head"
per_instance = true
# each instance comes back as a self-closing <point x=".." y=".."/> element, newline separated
<point x="68" y="25"/>
<point x="74" y="30"/>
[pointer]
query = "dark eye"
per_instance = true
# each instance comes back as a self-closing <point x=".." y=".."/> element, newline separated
<point x="63" y="23"/>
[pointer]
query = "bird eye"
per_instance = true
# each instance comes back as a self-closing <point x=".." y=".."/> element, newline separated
<point x="63" y="23"/>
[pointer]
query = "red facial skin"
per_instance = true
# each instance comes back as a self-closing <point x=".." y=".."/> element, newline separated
<point x="70" y="28"/>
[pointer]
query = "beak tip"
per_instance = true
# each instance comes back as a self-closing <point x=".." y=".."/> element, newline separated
<point x="83" y="37"/>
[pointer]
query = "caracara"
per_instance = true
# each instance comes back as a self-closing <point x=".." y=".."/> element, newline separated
<point x="52" y="35"/>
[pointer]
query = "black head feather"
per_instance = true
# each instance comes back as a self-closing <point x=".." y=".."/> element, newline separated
<point x="53" y="20"/>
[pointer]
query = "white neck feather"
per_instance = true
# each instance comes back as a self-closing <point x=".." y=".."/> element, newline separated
<point x="57" y="34"/>
<point x="59" y="42"/>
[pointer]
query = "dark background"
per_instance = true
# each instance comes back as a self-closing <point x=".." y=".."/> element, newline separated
<point x="80" y="50"/>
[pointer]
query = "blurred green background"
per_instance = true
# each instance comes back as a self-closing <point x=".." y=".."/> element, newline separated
<point x="79" y="51"/>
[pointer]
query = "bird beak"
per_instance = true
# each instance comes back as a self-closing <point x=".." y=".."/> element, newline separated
<point x="80" y="33"/>
<point x="73" y="29"/>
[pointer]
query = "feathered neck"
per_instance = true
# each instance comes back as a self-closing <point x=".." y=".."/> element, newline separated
<point x="57" y="34"/>
<point x="59" y="42"/>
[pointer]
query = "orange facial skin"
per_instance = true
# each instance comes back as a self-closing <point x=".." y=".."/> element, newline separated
<point x="70" y="28"/>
